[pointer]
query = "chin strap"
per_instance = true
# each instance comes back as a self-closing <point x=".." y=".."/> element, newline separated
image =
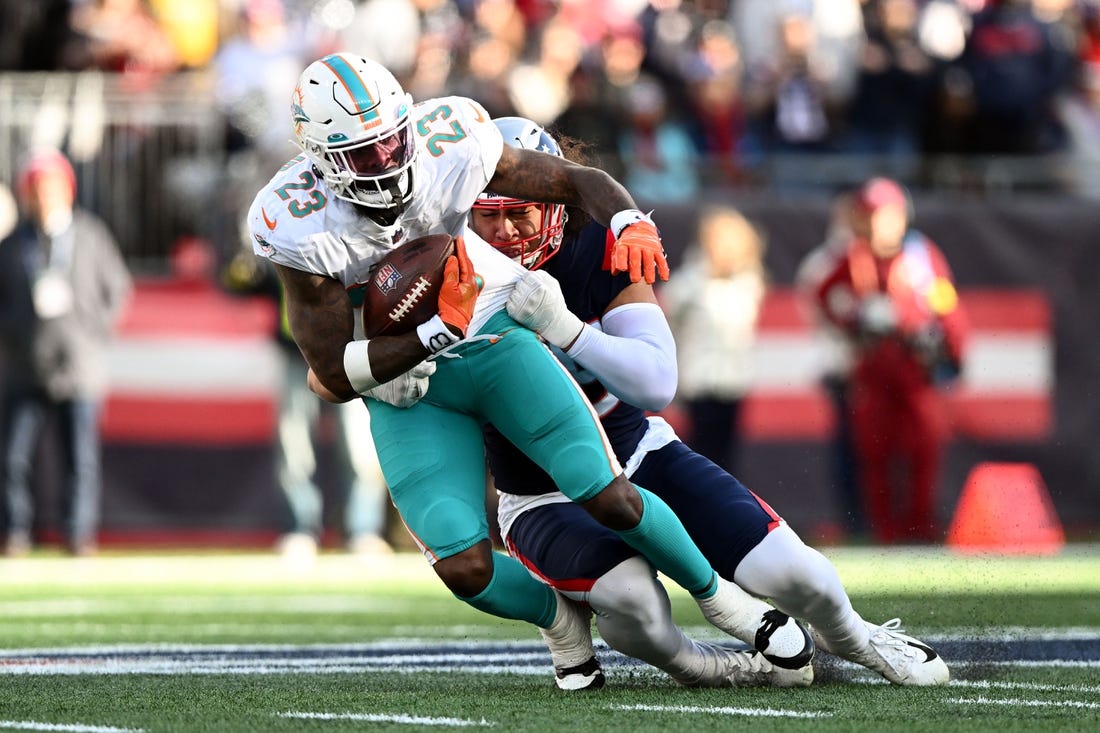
<point x="398" y="198"/>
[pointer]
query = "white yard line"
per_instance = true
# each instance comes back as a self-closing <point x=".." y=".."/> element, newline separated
<point x="754" y="712"/>
<point x="383" y="718"/>
<point x="1025" y="703"/>
<point x="67" y="727"/>
<point x="1033" y="686"/>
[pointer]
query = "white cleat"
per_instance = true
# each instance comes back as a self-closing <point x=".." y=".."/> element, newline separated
<point x="899" y="658"/>
<point x="782" y="640"/>
<point x="747" y="668"/>
<point x="569" y="638"/>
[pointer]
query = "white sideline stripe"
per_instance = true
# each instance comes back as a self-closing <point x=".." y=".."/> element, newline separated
<point x="1016" y="633"/>
<point x="1015" y="362"/>
<point x="1025" y="703"/>
<point x="1033" y="686"/>
<point x="175" y="668"/>
<point x="757" y="712"/>
<point x="74" y="727"/>
<point x="380" y="718"/>
<point x="196" y="367"/>
<point x="401" y="645"/>
<point x="779" y="362"/>
<point x="1082" y="664"/>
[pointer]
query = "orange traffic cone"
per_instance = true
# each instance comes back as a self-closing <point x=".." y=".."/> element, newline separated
<point x="1005" y="508"/>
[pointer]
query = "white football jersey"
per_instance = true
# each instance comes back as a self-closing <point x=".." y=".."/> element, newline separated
<point x="297" y="222"/>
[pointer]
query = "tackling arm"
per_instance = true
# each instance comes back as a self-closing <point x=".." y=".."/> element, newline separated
<point x="634" y="355"/>
<point x="534" y="176"/>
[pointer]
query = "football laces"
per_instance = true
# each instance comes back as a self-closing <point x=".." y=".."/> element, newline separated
<point x="407" y="303"/>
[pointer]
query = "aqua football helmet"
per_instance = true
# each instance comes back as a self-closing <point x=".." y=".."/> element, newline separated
<point x="533" y="250"/>
<point x="352" y="119"/>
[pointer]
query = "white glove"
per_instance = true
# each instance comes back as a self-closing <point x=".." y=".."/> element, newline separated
<point x="404" y="390"/>
<point x="537" y="303"/>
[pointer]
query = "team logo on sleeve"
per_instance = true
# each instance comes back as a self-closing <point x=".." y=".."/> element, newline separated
<point x="386" y="278"/>
<point x="265" y="246"/>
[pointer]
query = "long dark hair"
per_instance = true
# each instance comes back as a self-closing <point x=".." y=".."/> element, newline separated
<point x="575" y="151"/>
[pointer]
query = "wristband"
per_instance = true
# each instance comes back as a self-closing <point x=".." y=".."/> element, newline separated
<point x="435" y="335"/>
<point x="357" y="366"/>
<point x="625" y="218"/>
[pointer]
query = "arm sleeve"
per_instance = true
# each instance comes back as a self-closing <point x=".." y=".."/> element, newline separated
<point x="634" y="355"/>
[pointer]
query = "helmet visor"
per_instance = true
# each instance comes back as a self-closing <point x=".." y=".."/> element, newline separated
<point x="378" y="157"/>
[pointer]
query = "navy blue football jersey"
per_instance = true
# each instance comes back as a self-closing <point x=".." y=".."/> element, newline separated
<point x="582" y="266"/>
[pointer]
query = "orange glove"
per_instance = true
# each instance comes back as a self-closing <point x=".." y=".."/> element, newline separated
<point x="638" y="249"/>
<point x="460" y="289"/>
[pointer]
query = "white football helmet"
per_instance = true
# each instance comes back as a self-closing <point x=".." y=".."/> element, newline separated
<point x="352" y="119"/>
<point x="532" y="251"/>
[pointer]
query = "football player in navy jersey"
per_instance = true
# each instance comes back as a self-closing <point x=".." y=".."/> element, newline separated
<point x="613" y="336"/>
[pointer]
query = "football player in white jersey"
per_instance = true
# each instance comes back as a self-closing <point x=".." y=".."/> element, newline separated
<point x="379" y="170"/>
<point x="614" y="338"/>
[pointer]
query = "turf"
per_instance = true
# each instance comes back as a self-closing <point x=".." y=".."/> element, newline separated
<point x="246" y="642"/>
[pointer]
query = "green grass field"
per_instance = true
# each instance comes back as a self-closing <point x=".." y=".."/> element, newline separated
<point x="245" y="642"/>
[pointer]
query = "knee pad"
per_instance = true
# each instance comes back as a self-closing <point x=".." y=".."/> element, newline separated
<point x="447" y="526"/>
<point x="630" y="589"/>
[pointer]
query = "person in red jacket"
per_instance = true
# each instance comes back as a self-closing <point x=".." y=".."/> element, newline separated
<point x="893" y="294"/>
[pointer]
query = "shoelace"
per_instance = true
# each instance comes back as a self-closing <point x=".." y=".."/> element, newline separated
<point x="757" y="666"/>
<point x="887" y="633"/>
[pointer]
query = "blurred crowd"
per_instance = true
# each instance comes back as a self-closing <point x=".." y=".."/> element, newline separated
<point x="664" y="85"/>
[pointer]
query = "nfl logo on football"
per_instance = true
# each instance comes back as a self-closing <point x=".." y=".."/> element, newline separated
<point x="387" y="278"/>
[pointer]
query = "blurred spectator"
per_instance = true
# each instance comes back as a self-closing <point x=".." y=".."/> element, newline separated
<point x="893" y="91"/>
<point x="540" y="90"/>
<point x="1015" y="65"/>
<point x="834" y="349"/>
<point x="713" y="305"/>
<point x="786" y="97"/>
<point x="33" y="34"/>
<point x="192" y="28"/>
<point x="443" y="33"/>
<point x="942" y="28"/>
<point x="121" y="36"/>
<point x="254" y="75"/>
<point x="838" y="35"/>
<point x="836" y="30"/>
<point x="255" y="71"/>
<point x="1079" y="114"/>
<point x="597" y="112"/>
<point x="668" y="29"/>
<point x="713" y="75"/>
<point x="9" y="213"/>
<point x="305" y="424"/>
<point x="502" y="20"/>
<point x="658" y="154"/>
<point x="1089" y="46"/>
<point x="754" y="19"/>
<point x="63" y="285"/>
<point x="497" y="39"/>
<point x="892" y="294"/>
<point x="488" y="62"/>
<point x="387" y="31"/>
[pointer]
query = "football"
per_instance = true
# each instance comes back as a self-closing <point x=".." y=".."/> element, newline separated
<point x="403" y="290"/>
